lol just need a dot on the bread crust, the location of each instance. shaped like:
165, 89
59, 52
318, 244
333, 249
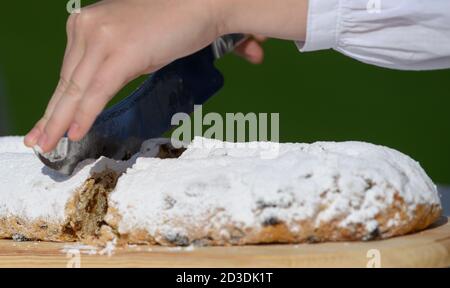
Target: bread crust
306, 231
92, 217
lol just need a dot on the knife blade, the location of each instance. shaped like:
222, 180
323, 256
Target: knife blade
119, 131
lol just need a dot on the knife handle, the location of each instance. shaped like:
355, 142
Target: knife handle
227, 43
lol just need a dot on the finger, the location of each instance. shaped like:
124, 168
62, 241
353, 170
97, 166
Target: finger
72, 58
72, 55
64, 110
109, 79
260, 38
32, 137
251, 50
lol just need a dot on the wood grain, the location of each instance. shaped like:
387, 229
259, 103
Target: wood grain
429, 248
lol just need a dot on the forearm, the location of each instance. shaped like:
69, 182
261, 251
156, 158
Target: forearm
284, 19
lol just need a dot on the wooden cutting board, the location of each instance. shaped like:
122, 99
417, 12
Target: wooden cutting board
429, 248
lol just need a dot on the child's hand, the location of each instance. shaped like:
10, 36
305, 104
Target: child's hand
113, 42
109, 44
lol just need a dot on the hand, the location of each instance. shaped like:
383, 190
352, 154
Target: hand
113, 42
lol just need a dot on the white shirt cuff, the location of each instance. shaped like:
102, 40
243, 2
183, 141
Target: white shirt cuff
322, 23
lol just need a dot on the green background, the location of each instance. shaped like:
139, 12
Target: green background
320, 95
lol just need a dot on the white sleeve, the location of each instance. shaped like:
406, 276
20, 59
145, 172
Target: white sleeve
398, 34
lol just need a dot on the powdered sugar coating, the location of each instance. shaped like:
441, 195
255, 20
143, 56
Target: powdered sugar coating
13, 144
213, 185
31, 191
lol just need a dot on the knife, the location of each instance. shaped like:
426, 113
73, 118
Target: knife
119, 131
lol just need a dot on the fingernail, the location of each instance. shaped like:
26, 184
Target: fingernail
32, 136
42, 141
38, 149
73, 130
